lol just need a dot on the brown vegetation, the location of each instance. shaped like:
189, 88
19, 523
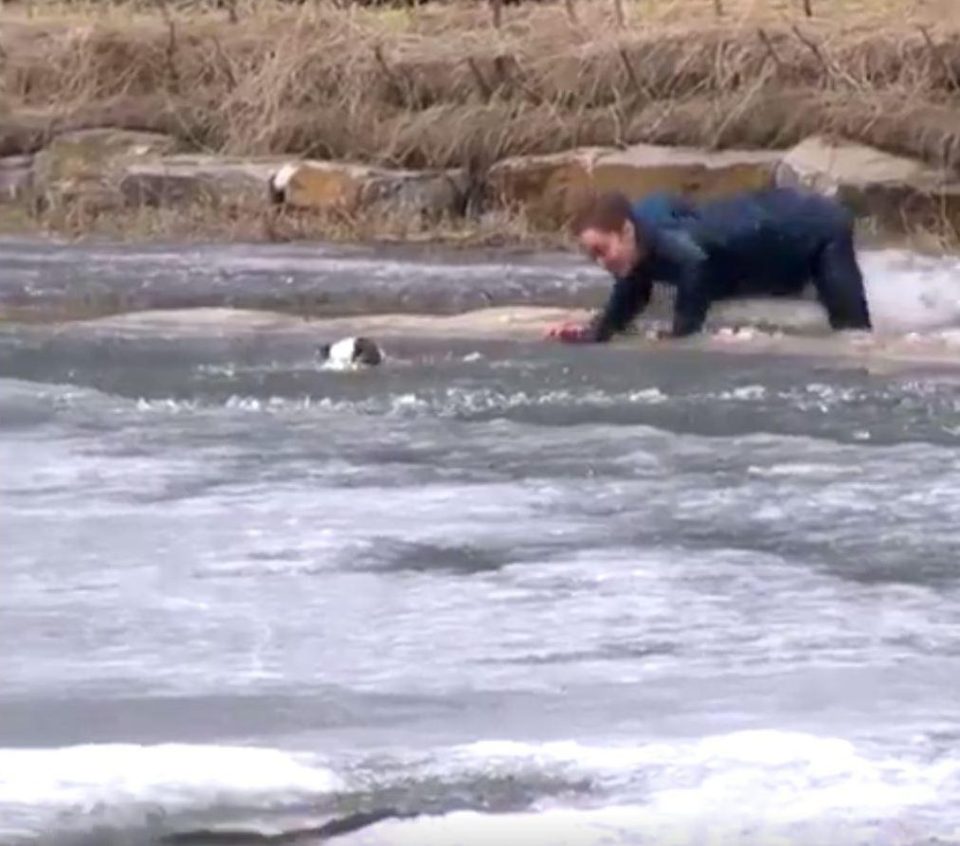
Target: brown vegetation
202, 222
502, 230
440, 85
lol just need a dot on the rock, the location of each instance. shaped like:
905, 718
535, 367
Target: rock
16, 178
217, 181
351, 188
547, 188
697, 174
86, 165
897, 193
23, 132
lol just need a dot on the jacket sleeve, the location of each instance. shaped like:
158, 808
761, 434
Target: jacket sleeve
691, 306
694, 294
630, 295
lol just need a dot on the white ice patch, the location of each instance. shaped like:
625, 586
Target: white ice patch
746, 787
620, 826
48, 786
909, 291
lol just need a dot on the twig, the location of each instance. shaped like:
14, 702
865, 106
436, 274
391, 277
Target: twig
571, 12
501, 73
225, 62
172, 56
485, 89
807, 8
232, 15
395, 81
939, 57
618, 11
770, 49
171, 51
719, 75
503, 64
734, 114
640, 90
813, 48
718, 8
496, 8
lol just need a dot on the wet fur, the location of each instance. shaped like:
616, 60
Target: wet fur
354, 352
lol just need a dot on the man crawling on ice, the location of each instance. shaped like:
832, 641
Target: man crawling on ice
771, 242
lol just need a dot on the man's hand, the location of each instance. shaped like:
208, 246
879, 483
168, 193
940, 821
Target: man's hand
569, 333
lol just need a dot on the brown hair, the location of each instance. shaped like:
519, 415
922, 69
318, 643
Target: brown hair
606, 212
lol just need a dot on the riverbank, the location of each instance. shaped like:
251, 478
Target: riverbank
272, 123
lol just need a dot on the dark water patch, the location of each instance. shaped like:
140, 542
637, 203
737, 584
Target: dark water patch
43, 282
605, 652
54, 721
224, 836
391, 555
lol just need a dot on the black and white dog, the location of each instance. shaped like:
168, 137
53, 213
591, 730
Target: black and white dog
350, 353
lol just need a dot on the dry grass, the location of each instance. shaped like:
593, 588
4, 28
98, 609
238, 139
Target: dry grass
500, 229
438, 85
200, 222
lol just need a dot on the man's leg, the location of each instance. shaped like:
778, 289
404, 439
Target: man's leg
839, 284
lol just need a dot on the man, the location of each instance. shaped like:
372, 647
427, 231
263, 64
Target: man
759, 243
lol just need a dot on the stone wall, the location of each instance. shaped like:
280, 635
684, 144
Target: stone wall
109, 169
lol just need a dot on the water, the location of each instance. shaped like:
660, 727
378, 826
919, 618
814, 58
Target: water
495, 591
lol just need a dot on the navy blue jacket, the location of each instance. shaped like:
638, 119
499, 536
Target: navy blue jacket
760, 243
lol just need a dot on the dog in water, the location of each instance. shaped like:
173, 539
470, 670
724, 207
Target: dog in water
350, 353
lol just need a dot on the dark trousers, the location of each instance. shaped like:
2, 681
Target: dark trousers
839, 284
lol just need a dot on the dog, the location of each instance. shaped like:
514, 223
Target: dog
352, 352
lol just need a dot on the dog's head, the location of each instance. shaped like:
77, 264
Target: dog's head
351, 352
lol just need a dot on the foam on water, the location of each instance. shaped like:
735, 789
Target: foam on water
746, 787
125, 784
741, 787
764, 764
911, 292
629, 826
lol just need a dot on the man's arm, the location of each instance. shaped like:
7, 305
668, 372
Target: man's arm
629, 297
690, 307
693, 285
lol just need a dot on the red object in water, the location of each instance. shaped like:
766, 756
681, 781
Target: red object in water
570, 333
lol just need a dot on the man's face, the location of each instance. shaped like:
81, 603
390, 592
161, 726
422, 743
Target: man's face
616, 252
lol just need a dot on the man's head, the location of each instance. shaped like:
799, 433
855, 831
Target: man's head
606, 232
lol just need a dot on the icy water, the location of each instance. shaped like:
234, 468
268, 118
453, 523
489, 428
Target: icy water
496, 591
